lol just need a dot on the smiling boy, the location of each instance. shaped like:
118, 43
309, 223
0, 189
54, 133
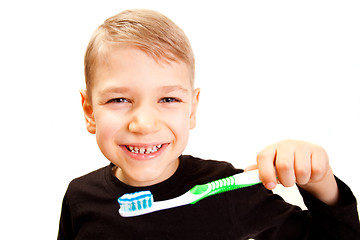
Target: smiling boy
141, 112
141, 103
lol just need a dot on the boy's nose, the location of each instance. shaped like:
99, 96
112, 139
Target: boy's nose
144, 121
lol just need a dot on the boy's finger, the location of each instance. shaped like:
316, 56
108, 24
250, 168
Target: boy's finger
267, 172
284, 164
302, 166
319, 165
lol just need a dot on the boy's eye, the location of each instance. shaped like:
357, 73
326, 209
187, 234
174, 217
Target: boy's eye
169, 100
118, 100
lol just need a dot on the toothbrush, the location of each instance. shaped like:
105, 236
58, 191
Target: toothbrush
139, 203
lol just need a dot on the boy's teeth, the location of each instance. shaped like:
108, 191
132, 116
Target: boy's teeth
147, 150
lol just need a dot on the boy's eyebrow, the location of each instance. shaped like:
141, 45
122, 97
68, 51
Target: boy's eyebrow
173, 88
114, 90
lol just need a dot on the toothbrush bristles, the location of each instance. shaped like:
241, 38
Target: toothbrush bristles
136, 201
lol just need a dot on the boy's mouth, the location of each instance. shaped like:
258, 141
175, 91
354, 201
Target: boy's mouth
144, 150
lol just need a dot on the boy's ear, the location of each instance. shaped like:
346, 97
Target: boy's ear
195, 103
88, 112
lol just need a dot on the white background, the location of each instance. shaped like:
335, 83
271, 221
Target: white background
268, 70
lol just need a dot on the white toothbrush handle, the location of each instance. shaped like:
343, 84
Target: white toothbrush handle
250, 177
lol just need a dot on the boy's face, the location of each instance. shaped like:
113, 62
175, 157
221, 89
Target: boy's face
142, 112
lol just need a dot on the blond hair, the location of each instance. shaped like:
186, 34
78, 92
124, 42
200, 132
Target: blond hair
147, 30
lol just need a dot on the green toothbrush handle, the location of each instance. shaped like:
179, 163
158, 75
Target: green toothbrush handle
236, 181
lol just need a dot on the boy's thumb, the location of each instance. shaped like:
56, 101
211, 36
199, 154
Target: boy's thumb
251, 167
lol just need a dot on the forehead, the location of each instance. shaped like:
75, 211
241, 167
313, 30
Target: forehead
130, 66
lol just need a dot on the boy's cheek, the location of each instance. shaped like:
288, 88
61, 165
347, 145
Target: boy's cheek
180, 121
105, 127
105, 138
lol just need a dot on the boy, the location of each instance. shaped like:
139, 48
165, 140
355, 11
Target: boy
141, 103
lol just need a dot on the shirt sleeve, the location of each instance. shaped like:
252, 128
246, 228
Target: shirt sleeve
65, 225
333, 222
264, 216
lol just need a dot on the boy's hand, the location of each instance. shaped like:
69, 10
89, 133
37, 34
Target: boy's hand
290, 161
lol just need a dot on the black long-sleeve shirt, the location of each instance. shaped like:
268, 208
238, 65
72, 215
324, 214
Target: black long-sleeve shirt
90, 210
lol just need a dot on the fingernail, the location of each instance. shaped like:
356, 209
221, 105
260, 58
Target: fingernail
270, 185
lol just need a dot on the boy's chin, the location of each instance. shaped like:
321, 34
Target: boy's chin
147, 177
144, 180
